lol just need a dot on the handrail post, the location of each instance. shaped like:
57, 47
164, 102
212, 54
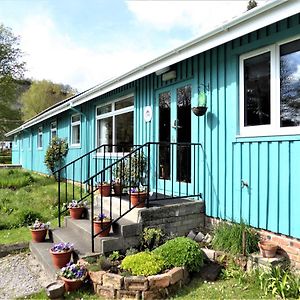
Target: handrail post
58, 182
92, 214
148, 176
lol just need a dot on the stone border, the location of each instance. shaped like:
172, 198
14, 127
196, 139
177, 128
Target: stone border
10, 248
115, 286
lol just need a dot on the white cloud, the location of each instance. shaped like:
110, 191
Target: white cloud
52, 55
197, 16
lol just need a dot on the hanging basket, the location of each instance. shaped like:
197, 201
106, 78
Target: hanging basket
199, 110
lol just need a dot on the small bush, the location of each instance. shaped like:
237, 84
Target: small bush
181, 252
15, 179
229, 238
152, 238
143, 263
27, 217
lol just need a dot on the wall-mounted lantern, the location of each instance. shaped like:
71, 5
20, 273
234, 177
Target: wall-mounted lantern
201, 109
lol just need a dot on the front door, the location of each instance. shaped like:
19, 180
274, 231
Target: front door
174, 135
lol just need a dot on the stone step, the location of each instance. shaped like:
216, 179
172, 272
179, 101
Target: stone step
123, 227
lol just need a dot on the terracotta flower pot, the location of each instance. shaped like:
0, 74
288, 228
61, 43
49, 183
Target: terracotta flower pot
38, 235
118, 188
76, 212
104, 190
98, 228
60, 259
267, 249
72, 284
136, 198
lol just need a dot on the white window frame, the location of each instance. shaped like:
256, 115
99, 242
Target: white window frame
40, 133
75, 124
274, 127
53, 130
112, 114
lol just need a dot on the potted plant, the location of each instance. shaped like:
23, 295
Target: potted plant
104, 188
118, 187
73, 276
76, 209
138, 196
39, 231
267, 249
201, 109
101, 222
61, 254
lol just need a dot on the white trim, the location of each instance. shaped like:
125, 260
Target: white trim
112, 115
76, 123
251, 20
274, 127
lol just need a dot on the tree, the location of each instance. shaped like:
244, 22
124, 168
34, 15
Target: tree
11, 74
251, 4
41, 95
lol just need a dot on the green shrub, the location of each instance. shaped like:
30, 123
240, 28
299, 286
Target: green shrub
181, 252
55, 154
15, 179
143, 263
280, 282
229, 238
152, 238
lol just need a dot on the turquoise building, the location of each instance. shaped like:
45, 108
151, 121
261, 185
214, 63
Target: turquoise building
242, 157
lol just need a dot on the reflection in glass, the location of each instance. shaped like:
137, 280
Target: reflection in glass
124, 103
290, 84
104, 132
184, 133
257, 90
164, 134
124, 132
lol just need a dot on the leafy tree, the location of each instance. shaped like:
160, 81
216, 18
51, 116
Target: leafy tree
11, 73
41, 95
251, 4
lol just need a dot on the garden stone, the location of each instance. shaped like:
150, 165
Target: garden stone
192, 234
210, 272
208, 238
199, 237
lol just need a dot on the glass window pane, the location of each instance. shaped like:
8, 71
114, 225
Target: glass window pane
103, 109
257, 90
124, 103
164, 134
76, 134
53, 125
75, 118
104, 132
289, 84
124, 132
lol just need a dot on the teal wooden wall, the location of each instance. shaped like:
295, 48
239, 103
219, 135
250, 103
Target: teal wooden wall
271, 165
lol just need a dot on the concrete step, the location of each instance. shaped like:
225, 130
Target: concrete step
117, 207
123, 227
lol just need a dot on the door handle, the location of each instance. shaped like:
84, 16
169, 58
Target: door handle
176, 126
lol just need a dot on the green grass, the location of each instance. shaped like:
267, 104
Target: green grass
221, 289
20, 207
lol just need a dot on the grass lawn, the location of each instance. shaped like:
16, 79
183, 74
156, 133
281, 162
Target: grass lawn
24, 197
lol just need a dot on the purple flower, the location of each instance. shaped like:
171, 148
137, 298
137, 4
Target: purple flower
62, 247
73, 271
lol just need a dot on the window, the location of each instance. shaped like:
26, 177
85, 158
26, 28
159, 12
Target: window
270, 90
40, 138
115, 125
75, 130
53, 130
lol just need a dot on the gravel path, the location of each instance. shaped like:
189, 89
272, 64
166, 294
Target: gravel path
20, 275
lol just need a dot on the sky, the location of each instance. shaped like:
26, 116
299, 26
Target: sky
85, 42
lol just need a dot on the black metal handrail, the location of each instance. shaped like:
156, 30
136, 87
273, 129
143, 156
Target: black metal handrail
78, 170
165, 163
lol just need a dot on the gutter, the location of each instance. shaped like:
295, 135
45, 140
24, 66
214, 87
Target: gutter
169, 58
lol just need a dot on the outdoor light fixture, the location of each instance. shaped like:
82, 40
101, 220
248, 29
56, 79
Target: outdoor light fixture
168, 76
162, 71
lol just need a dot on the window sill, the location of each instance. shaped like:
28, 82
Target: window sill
40, 148
109, 155
75, 146
261, 136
